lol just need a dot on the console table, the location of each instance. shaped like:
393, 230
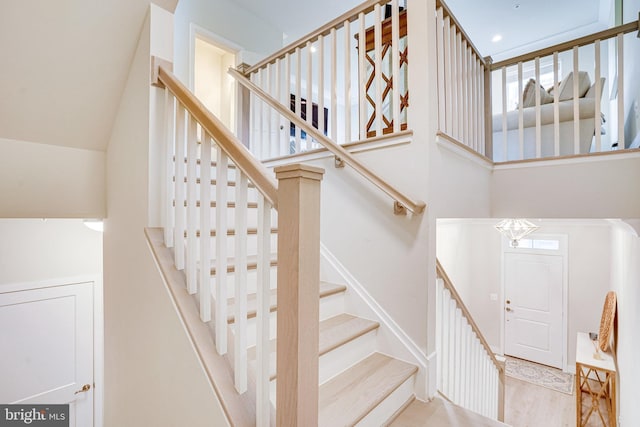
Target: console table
595, 382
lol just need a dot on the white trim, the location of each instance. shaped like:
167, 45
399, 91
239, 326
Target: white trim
196, 31
587, 158
354, 285
432, 375
461, 152
562, 252
98, 329
47, 283
373, 144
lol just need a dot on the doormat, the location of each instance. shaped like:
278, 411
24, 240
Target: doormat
541, 375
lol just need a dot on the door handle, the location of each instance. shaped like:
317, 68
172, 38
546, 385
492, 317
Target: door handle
85, 388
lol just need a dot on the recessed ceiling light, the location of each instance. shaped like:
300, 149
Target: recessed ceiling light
496, 38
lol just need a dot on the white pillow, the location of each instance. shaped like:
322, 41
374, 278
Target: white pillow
529, 94
566, 86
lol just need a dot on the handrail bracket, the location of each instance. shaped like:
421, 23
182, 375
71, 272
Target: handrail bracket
338, 162
399, 208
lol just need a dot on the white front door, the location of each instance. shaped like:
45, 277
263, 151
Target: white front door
534, 307
46, 348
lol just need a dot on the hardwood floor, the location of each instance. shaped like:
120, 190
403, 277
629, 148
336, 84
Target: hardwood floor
529, 405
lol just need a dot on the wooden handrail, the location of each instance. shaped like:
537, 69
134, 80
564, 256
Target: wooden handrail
337, 23
465, 311
560, 47
447, 12
238, 153
402, 201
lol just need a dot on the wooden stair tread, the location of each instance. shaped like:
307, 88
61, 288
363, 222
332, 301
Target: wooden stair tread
326, 289
232, 232
252, 263
334, 332
214, 182
250, 205
439, 412
350, 396
213, 163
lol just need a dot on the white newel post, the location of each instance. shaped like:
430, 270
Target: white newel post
298, 294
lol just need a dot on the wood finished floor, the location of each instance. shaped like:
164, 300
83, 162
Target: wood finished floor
529, 405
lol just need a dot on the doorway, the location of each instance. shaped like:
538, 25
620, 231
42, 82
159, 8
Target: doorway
209, 80
535, 300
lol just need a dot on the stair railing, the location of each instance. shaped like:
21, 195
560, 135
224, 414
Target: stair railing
463, 91
402, 202
201, 157
346, 92
469, 374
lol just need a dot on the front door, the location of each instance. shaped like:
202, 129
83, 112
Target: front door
46, 348
534, 307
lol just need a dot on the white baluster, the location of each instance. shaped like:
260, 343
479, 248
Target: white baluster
298, 104
169, 193
377, 60
538, 115
576, 105
446, 334
520, 114
505, 151
179, 249
221, 251
598, 86
448, 79
556, 106
620, 89
320, 124
255, 116
192, 209
286, 100
263, 405
309, 96
333, 59
205, 228
362, 73
452, 347
442, 101
240, 282
347, 88
395, 64
464, 93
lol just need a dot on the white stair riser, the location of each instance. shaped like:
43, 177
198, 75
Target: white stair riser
347, 355
251, 281
388, 407
329, 306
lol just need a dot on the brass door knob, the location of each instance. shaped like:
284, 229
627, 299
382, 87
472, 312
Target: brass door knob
85, 388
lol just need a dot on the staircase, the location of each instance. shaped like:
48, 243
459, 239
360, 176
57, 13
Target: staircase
359, 385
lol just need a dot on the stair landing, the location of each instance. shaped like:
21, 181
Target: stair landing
439, 412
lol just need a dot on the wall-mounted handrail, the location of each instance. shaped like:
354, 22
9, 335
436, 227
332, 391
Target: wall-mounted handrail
241, 157
466, 313
561, 47
416, 207
350, 16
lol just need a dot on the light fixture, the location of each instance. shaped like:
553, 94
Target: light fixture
94, 224
313, 49
496, 38
515, 229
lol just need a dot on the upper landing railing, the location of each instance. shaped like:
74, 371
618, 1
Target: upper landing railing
531, 106
346, 92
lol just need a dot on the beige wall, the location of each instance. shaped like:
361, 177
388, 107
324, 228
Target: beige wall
47, 181
601, 187
152, 375
625, 280
33, 250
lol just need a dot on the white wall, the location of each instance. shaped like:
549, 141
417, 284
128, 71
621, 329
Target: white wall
228, 20
625, 280
152, 375
47, 181
602, 187
470, 251
33, 250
